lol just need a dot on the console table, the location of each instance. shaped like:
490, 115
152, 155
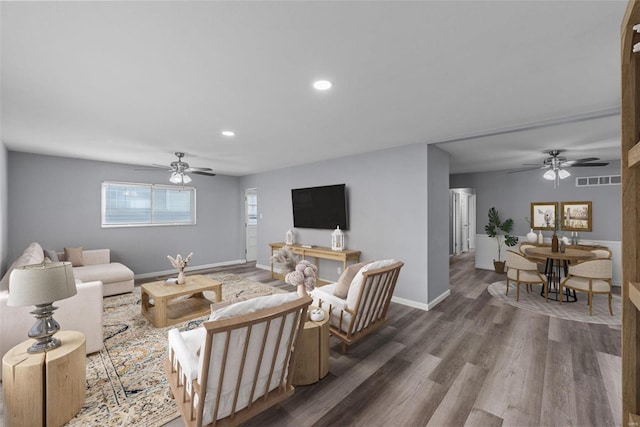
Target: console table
317, 252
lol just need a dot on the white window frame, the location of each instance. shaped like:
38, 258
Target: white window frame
151, 187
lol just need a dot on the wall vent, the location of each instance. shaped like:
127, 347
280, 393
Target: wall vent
590, 181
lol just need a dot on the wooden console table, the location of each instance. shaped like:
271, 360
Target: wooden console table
317, 252
44, 389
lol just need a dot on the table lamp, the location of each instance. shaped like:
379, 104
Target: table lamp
41, 285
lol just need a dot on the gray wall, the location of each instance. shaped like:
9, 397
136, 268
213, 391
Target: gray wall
56, 202
512, 195
438, 222
387, 193
4, 234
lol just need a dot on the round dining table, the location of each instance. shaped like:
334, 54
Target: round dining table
563, 259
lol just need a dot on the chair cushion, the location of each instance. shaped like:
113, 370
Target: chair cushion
526, 276
74, 256
582, 284
354, 288
344, 282
253, 305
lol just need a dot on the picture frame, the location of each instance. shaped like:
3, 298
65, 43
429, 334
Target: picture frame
576, 216
543, 215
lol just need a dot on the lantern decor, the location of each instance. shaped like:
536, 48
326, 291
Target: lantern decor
289, 238
337, 239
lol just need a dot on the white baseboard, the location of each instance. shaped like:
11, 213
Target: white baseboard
420, 305
264, 267
190, 268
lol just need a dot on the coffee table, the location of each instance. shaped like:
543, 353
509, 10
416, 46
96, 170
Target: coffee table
167, 309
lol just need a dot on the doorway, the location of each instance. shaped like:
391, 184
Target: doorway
251, 224
462, 220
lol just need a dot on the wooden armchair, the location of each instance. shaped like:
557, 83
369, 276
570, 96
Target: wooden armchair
238, 364
365, 309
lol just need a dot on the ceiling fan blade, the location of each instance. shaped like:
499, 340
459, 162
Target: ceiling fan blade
194, 169
588, 164
528, 169
203, 173
152, 168
155, 165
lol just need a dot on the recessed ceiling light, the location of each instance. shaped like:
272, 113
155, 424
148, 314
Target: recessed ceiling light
228, 133
322, 84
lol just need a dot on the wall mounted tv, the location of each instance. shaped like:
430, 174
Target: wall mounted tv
320, 207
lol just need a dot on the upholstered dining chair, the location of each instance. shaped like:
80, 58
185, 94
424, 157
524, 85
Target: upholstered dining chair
592, 277
541, 262
521, 270
601, 253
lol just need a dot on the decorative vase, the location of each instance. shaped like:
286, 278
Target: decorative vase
554, 243
540, 237
181, 278
302, 291
531, 237
562, 246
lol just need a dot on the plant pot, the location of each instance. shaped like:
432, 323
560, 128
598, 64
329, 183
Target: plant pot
498, 266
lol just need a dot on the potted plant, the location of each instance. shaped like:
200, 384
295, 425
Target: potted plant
500, 231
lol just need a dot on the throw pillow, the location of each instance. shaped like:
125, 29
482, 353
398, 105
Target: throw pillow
342, 288
74, 256
52, 255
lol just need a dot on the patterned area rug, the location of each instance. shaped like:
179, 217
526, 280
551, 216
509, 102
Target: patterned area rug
126, 385
578, 311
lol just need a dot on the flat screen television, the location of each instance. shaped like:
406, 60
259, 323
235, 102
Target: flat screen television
320, 207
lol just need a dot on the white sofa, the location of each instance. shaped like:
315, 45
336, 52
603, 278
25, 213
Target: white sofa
82, 312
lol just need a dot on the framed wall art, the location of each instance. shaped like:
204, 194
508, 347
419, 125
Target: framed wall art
543, 215
576, 216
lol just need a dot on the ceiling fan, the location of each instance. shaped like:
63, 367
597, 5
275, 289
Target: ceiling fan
179, 170
557, 164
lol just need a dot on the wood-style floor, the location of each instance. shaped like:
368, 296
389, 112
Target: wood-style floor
471, 361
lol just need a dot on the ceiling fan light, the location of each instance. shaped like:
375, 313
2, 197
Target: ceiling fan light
562, 173
186, 179
176, 178
550, 175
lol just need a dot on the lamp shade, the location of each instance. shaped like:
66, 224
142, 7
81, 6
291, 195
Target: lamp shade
550, 175
41, 284
562, 173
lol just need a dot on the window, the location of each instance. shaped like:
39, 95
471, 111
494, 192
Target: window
138, 205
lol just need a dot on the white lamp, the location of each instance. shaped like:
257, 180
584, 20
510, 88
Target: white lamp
563, 173
41, 285
550, 175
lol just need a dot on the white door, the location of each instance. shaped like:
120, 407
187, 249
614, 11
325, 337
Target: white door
251, 224
472, 222
464, 223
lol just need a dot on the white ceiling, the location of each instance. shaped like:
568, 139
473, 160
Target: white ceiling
132, 82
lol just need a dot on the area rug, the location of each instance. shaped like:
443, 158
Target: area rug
578, 311
126, 385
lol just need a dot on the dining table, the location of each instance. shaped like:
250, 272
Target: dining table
558, 260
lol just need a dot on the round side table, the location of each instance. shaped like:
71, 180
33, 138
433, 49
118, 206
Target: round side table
44, 388
312, 354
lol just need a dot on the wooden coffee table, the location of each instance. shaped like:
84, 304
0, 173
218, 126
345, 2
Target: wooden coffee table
165, 310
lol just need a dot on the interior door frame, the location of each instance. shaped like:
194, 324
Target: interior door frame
247, 192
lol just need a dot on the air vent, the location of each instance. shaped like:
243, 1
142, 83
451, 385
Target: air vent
590, 181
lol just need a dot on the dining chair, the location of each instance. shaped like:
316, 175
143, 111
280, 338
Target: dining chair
592, 277
521, 270
542, 266
601, 253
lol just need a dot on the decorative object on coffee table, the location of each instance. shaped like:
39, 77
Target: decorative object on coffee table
180, 263
41, 285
